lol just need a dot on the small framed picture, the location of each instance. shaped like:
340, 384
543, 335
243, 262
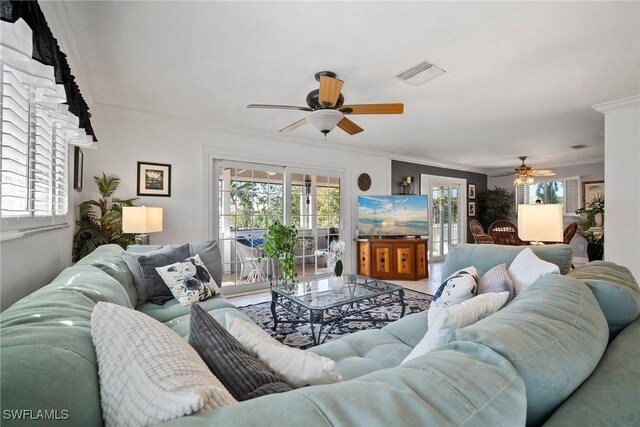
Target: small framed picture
78, 167
472, 208
472, 191
591, 190
154, 179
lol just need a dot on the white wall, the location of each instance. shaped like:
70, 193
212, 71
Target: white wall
126, 138
590, 172
30, 262
622, 182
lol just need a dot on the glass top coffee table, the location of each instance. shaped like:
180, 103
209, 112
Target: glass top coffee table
314, 302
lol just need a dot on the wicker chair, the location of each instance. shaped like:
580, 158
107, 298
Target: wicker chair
505, 232
569, 232
479, 236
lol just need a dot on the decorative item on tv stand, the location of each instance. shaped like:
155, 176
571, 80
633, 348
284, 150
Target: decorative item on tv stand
336, 251
279, 244
142, 221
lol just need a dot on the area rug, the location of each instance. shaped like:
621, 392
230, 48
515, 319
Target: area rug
299, 335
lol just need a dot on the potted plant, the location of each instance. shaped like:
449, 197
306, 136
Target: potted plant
96, 230
336, 251
279, 244
494, 204
589, 229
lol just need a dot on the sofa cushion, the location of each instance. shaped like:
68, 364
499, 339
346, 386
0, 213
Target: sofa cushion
554, 334
432, 390
526, 268
609, 397
237, 368
147, 373
157, 291
615, 289
189, 281
485, 257
364, 352
442, 321
497, 279
410, 329
172, 309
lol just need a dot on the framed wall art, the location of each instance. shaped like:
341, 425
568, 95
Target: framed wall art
472, 208
154, 179
591, 190
78, 168
472, 191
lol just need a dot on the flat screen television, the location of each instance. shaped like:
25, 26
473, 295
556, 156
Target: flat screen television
403, 215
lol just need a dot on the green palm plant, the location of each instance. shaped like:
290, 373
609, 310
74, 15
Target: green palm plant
102, 227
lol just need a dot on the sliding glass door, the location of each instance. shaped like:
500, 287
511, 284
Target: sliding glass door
253, 196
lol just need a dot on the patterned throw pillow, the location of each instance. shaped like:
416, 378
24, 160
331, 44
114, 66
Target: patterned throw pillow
236, 367
458, 287
526, 268
497, 280
189, 281
148, 374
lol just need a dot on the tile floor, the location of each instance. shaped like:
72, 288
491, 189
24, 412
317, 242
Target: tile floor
429, 286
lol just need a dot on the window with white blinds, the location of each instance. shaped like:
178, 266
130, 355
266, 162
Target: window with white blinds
565, 191
34, 157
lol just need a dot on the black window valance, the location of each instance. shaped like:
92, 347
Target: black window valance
47, 51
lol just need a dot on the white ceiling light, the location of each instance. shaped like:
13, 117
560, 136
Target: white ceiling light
325, 120
421, 73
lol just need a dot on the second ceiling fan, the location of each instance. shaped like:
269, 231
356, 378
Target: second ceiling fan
327, 108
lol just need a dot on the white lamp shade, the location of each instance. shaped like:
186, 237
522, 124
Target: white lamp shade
541, 223
325, 120
141, 219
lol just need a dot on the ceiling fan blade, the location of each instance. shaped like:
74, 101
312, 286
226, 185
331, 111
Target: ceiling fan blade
329, 91
294, 126
502, 174
279, 107
396, 108
543, 172
349, 127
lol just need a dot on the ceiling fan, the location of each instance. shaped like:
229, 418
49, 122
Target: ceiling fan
327, 108
525, 174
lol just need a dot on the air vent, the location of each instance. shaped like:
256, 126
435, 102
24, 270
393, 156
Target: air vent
421, 73
579, 146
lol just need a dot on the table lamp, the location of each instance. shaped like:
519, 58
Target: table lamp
142, 221
540, 223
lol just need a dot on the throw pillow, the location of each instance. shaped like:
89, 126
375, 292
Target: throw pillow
298, 368
236, 367
148, 374
209, 252
157, 291
526, 268
131, 258
497, 280
189, 281
458, 287
442, 321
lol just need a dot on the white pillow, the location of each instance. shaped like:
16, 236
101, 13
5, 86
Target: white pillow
189, 281
526, 268
148, 373
458, 287
297, 367
442, 321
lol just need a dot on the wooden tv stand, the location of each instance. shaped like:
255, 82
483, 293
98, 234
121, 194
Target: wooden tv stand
393, 259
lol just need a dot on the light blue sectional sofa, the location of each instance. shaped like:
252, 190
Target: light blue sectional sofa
550, 356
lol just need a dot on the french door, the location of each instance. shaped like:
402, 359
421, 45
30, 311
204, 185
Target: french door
446, 213
250, 197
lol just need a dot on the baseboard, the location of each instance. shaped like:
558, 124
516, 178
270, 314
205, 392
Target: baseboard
580, 260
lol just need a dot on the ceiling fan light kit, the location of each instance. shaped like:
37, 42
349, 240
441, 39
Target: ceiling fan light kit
524, 174
327, 109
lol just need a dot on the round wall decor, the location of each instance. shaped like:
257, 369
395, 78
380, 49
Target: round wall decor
364, 182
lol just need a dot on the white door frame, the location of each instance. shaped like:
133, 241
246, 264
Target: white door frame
426, 182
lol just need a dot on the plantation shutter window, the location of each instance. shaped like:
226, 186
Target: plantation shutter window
571, 195
36, 130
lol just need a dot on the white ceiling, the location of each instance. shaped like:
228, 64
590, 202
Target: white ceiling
522, 75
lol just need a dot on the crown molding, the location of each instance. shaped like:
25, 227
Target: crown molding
277, 136
617, 104
56, 14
